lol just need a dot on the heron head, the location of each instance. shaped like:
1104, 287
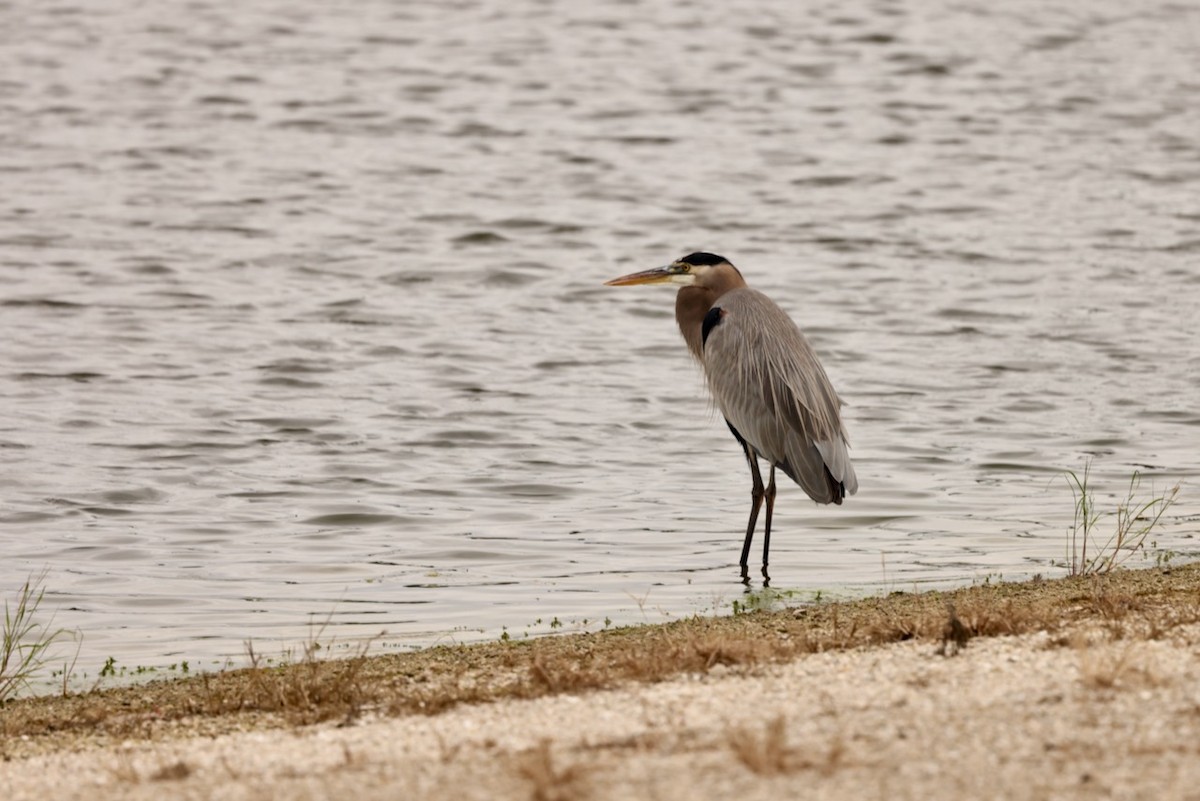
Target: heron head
695, 268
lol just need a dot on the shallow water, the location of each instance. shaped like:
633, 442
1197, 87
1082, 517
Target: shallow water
303, 319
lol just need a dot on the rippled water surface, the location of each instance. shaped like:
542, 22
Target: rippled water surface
302, 314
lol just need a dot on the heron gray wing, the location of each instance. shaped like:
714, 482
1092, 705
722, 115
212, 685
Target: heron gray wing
769, 384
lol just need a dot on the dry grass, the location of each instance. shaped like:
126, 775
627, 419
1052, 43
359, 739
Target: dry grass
548, 781
1122, 606
172, 772
1109, 670
768, 755
311, 691
771, 755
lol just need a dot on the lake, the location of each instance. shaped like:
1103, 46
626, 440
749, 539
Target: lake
305, 334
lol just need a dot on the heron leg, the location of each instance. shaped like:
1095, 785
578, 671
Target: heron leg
769, 494
756, 497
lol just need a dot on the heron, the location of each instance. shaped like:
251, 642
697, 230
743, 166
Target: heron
767, 381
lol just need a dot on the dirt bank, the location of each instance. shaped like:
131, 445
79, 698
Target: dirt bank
1055, 689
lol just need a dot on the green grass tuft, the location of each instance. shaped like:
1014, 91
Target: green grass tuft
25, 650
1135, 518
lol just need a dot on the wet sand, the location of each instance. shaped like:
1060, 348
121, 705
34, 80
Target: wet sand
1096, 693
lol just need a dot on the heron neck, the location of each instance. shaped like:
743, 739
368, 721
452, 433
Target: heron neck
691, 304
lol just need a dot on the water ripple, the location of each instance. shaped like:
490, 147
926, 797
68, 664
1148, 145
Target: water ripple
303, 312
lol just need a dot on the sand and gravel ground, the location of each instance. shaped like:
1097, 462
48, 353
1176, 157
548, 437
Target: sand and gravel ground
1095, 695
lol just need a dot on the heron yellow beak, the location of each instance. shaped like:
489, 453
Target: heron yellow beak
659, 275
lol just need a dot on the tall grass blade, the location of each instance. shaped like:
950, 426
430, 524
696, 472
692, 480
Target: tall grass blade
26, 645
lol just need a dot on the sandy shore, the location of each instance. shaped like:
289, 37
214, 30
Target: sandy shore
1103, 703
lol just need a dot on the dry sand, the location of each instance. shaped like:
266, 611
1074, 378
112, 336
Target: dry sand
1101, 706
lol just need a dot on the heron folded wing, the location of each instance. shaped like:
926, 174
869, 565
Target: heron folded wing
769, 384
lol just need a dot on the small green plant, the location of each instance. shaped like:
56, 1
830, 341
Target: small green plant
110, 667
768, 599
1135, 519
25, 650
1162, 557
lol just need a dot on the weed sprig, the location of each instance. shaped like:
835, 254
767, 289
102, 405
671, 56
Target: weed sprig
1135, 518
25, 650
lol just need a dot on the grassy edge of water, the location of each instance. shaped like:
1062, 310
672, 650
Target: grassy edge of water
26, 641
1125, 604
1135, 519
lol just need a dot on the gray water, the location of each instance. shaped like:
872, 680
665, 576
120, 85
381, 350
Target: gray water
303, 323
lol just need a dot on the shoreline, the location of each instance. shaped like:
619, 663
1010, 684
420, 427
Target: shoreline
782, 700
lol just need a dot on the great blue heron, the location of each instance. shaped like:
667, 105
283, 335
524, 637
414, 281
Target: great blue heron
765, 378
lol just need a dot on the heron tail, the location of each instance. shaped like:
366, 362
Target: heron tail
823, 470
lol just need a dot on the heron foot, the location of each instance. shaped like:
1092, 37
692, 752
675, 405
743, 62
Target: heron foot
766, 576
